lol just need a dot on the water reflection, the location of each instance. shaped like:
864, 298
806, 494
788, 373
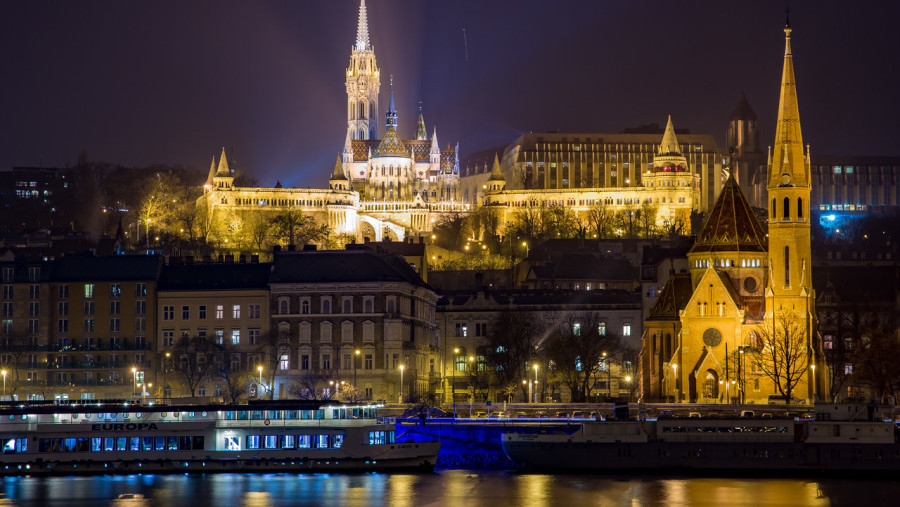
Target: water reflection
451, 487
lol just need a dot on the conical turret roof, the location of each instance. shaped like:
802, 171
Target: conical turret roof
362, 28
731, 225
223, 169
421, 133
496, 175
743, 111
212, 171
787, 157
338, 173
669, 144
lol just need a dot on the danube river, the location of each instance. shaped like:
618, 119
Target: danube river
442, 488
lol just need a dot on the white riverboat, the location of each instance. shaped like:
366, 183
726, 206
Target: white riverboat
840, 439
124, 438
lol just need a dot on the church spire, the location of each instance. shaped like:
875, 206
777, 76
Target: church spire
788, 163
421, 133
362, 28
391, 115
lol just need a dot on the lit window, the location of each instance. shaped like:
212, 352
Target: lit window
626, 329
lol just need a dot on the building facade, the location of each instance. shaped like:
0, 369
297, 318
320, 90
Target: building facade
380, 188
741, 325
352, 320
619, 172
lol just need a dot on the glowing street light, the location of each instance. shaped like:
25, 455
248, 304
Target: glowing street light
259, 368
401, 383
134, 380
675, 381
525, 244
4, 383
354, 368
812, 367
535, 366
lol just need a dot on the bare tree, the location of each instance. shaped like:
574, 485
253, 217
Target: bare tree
875, 359
273, 347
293, 228
259, 228
194, 358
785, 354
232, 372
576, 349
511, 349
451, 231
600, 219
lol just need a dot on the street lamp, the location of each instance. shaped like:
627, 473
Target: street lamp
525, 244
524, 382
4, 383
355, 385
628, 381
608, 380
812, 367
742, 385
165, 371
675, 381
401, 383
134, 381
471, 383
535, 366
259, 368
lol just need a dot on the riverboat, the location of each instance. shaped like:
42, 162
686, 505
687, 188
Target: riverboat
838, 439
281, 436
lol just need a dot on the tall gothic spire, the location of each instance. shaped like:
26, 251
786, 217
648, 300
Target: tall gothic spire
391, 115
421, 133
362, 28
788, 162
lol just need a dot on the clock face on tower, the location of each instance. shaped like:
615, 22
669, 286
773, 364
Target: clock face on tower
785, 180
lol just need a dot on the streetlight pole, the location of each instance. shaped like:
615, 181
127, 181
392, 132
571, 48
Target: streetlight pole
401, 383
608, 387
165, 371
742, 386
525, 244
675, 381
259, 368
355, 385
471, 384
4, 383
134, 382
535, 366
812, 367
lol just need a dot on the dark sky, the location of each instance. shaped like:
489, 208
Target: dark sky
140, 82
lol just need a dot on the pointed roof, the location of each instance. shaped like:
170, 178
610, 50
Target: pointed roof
390, 145
787, 158
669, 144
672, 298
212, 171
421, 133
223, 170
731, 225
338, 173
391, 114
743, 111
496, 175
362, 28
434, 142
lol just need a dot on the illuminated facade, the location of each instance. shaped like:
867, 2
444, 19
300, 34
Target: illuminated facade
581, 174
705, 337
379, 189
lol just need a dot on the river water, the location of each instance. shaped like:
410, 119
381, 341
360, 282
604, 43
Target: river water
442, 488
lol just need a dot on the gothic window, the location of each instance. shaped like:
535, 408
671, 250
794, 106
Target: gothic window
710, 385
361, 110
773, 208
371, 109
361, 134
787, 265
787, 208
800, 207
283, 306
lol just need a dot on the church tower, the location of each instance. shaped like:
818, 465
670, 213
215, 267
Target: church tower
790, 293
363, 83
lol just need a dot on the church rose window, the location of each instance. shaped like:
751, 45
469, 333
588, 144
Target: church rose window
712, 337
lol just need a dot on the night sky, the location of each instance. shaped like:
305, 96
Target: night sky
142, 82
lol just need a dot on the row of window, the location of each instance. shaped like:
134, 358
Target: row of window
253, 312
111, 444
34, 274
233, 443
234, 336
284, 305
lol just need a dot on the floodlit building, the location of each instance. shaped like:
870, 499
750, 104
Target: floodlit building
748, 295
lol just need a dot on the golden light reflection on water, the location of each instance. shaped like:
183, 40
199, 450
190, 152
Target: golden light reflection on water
256, 499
